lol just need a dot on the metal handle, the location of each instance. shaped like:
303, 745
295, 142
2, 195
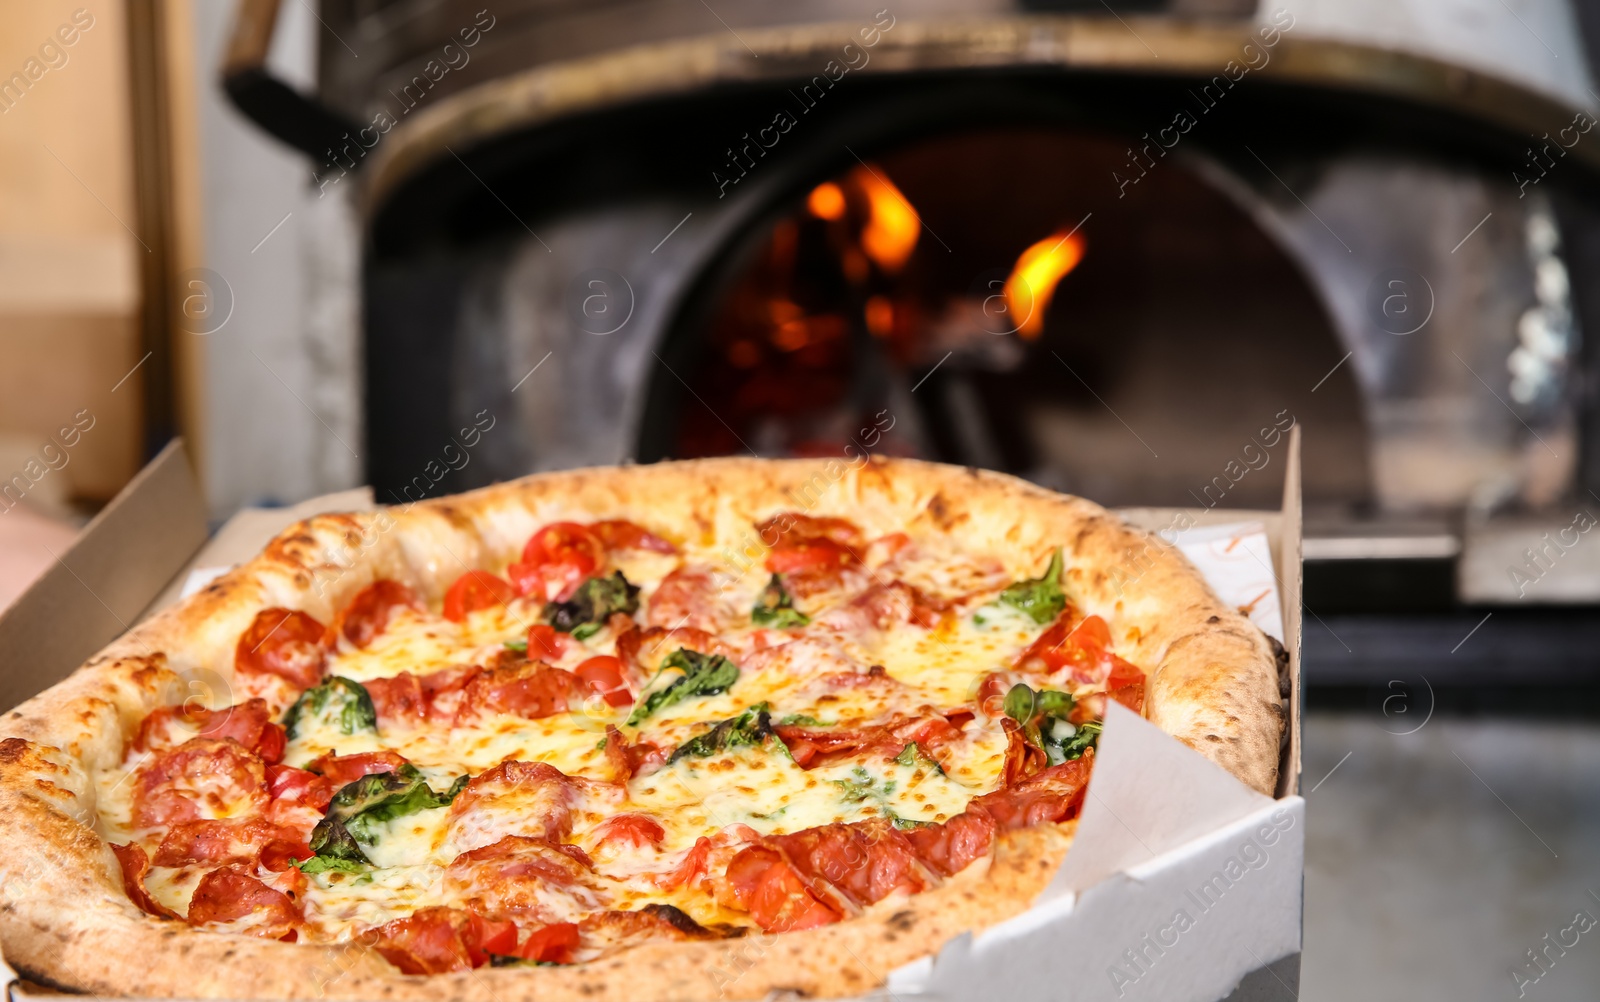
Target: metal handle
298, 120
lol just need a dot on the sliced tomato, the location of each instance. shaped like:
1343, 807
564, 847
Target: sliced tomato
369, 613
230, 894
475, 591
604, 675
620, 534
764, 884
635, 829
338, 771
498, 936
135, 865
553, 944
557, 559
546, 644
285, 643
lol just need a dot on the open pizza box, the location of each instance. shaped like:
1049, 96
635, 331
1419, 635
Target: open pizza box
1182, 885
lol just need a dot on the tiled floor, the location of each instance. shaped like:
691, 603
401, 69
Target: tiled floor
1435, 861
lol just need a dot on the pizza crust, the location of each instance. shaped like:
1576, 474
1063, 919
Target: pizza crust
65, 919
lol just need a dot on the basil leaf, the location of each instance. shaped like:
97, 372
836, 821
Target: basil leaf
1019, 704
585, 631
335, 700
360, 807
1038, 713
703, 675
1041, 599
517, 645
801, 720
775, 608
594, 600
322, 864
1087, 736
750, 728
913, 756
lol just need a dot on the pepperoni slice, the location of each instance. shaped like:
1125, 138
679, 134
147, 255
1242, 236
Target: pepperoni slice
557, 559
553, 944
398, 699
301, 786
646, 649
690, 870
1023, 757
475, 591
210, 841
525, 878
865, 861
514, 798
688, 597
231, 895
792, 525
249, 723
369, 613
814, 746
285, 643
135, 864
604, 675
438, 940
201, 778
949, 848
629, 760
764, 884
894, 603
527, 689
1054, 794
339, 771
637, 830
620, 534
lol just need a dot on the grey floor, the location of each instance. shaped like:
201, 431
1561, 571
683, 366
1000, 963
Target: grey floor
1435, 861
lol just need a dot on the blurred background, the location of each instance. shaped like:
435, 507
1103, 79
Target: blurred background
1114, 247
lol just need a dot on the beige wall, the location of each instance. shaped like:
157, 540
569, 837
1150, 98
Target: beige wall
69, 259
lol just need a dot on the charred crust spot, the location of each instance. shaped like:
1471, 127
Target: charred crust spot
1214, 619
902, 921
13, 750
942, 512
588, 988
678, 919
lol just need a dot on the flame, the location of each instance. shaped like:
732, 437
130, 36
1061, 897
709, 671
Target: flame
826, 201
1032, 282
892, 228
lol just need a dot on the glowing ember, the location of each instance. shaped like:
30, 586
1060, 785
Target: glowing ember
1032, 283
826, 201
892, 228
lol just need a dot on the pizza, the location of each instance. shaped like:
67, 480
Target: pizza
712, 728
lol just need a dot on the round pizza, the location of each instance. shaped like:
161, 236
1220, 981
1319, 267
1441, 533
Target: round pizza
713, 728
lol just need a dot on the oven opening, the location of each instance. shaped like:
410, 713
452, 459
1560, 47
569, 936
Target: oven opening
944, 300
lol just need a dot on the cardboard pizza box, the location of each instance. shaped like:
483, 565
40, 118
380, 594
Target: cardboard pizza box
1182, 884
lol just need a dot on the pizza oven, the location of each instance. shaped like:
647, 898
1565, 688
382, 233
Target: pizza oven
1115, 251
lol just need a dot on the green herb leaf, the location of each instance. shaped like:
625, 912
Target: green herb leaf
504, 960
1043, 716
1041, 599
775, 608
594, 600
1087, 736
585, 631
913, 756
800, 720
517, 645
359, 808
750, 728
323, 864
334, 700
703, 675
